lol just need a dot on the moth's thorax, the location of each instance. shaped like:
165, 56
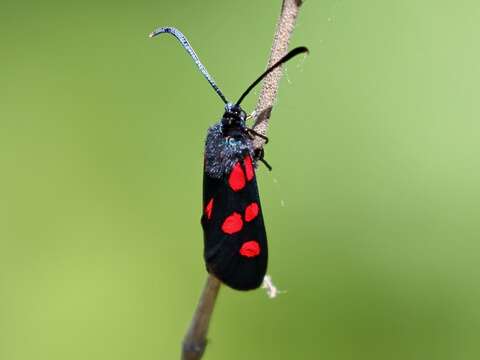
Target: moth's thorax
227, 142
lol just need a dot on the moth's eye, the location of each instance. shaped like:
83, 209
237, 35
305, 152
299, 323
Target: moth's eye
231, 141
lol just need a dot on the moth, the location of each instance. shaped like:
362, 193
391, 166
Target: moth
235, 240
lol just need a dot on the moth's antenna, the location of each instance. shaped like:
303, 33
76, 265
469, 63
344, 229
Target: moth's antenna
291, 54
183, 40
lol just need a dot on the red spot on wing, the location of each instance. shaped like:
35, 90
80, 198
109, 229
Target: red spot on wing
232, 224
249, 167
251, 211
250, 249
236, 180
209, 208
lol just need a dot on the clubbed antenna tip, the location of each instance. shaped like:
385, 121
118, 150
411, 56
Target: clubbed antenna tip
186, 45
291, 54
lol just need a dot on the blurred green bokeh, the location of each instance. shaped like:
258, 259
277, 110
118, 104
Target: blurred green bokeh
372, 208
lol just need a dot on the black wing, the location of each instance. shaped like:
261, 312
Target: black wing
234, 232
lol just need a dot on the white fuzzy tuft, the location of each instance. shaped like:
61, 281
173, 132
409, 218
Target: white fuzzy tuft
271, 289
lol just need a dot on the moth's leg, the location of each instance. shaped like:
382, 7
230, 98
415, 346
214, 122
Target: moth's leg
253, 115
259, 156
253, 132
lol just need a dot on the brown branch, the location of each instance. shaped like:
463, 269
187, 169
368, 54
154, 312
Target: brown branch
195, 340
285, 26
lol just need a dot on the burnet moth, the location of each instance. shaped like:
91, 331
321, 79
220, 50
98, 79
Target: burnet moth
235, 241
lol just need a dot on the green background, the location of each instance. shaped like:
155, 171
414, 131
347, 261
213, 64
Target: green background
372, 208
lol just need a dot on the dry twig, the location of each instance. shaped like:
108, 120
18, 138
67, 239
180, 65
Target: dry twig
195, 340
285, 26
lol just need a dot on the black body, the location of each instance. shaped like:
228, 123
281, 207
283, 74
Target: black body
230, 140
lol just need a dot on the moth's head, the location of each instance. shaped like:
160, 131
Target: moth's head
233, 114
233, 117
233, 121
